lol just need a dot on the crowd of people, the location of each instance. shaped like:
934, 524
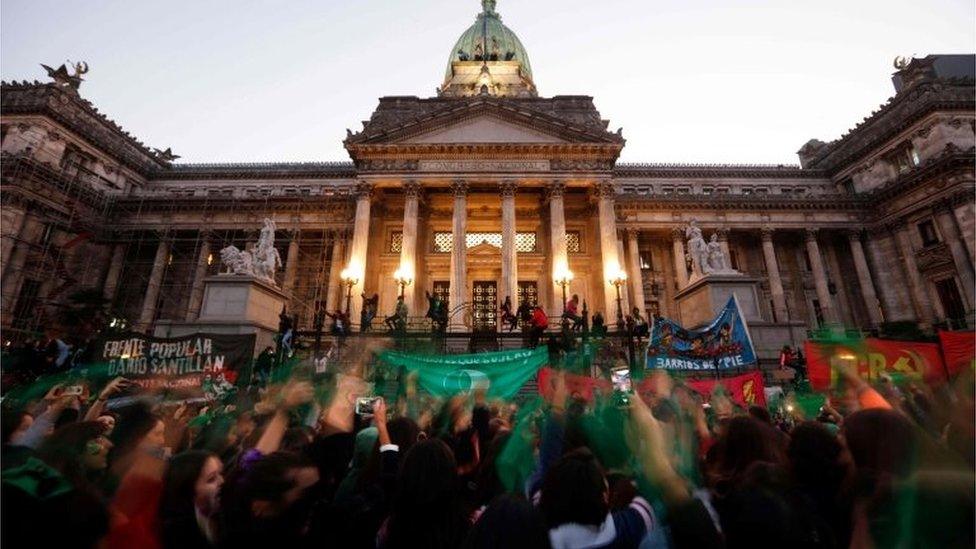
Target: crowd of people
297, 463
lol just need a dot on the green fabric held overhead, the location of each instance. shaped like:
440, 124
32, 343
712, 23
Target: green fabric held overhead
501, 373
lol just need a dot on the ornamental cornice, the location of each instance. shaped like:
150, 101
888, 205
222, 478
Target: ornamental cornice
898, 114
81, 117
401, 125
730, 202
257, 170
367, 154
724, 171
951, 159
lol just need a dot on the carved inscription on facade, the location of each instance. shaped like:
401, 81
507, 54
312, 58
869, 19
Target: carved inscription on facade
483, 166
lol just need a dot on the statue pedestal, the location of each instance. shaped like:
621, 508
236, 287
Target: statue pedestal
702, 299
234, 304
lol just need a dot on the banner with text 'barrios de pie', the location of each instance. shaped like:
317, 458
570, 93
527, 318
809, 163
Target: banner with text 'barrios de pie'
722, 345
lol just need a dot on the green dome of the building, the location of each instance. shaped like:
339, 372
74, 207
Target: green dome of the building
489, 40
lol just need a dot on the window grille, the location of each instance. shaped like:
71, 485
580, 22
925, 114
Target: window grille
444, 242
574, 242
396, 241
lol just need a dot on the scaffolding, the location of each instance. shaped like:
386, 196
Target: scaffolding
82, 224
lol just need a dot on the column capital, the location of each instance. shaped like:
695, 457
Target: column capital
555, 189
412, 189
605, 189
723, 234
854, 235
677, 234
364, 190
633, 232
810, 234
459, 188
508, 187
766, 233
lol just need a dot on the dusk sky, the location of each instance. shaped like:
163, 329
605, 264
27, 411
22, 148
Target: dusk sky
688, 80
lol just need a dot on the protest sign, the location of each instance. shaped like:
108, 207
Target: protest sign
500, 373
189, 366
959, 350
723, 344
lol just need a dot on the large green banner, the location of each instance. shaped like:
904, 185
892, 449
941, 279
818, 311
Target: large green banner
501, 373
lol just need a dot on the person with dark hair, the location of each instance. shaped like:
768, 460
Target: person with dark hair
190, 500
270, 503
427, 508
509, 522
574, 502
57, 485
540, 323
744, 441
821, 471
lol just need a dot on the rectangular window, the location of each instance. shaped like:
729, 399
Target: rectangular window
525, 242
721, 190
396, 242
951, 301
926, 230
574, 242
708, 190
760, 190
746, 190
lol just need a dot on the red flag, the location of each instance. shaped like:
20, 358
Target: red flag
872, 357
578, 386
959, 350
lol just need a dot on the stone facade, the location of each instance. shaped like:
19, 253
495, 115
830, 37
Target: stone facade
479, 196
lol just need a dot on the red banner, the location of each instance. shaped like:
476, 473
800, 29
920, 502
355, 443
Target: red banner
959, 350
872, 357
745, 390
578, 386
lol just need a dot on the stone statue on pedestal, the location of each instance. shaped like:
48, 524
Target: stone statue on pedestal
262, 263
706, 258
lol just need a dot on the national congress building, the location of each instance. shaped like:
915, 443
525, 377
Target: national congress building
490, 189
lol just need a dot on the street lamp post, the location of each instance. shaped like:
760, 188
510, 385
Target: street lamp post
563, 277
351, 280
403, 278
618, 279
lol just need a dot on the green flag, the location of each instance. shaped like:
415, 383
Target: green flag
501, 373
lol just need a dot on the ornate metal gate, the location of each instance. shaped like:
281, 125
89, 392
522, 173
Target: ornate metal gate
484, 305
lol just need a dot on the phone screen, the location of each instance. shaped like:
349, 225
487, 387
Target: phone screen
621, 380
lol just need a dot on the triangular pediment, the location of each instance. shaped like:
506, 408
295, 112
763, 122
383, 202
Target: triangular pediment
483, 248
483, 129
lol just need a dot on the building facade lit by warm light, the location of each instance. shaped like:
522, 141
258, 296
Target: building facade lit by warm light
490, 189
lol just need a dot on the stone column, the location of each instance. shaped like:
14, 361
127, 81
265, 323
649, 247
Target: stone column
608, 245
957, 247
334, 295
11, 235
509, 255
152, 289
408, 249
459, 253
357, 251
115, 265
13, 271
636, 279
678, 254
772, 272
820, 277
557, 243
920, 299
870, 297
200, 273
624, 288
291, 265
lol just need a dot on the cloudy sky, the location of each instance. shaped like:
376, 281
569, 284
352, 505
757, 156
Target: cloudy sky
688, 80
